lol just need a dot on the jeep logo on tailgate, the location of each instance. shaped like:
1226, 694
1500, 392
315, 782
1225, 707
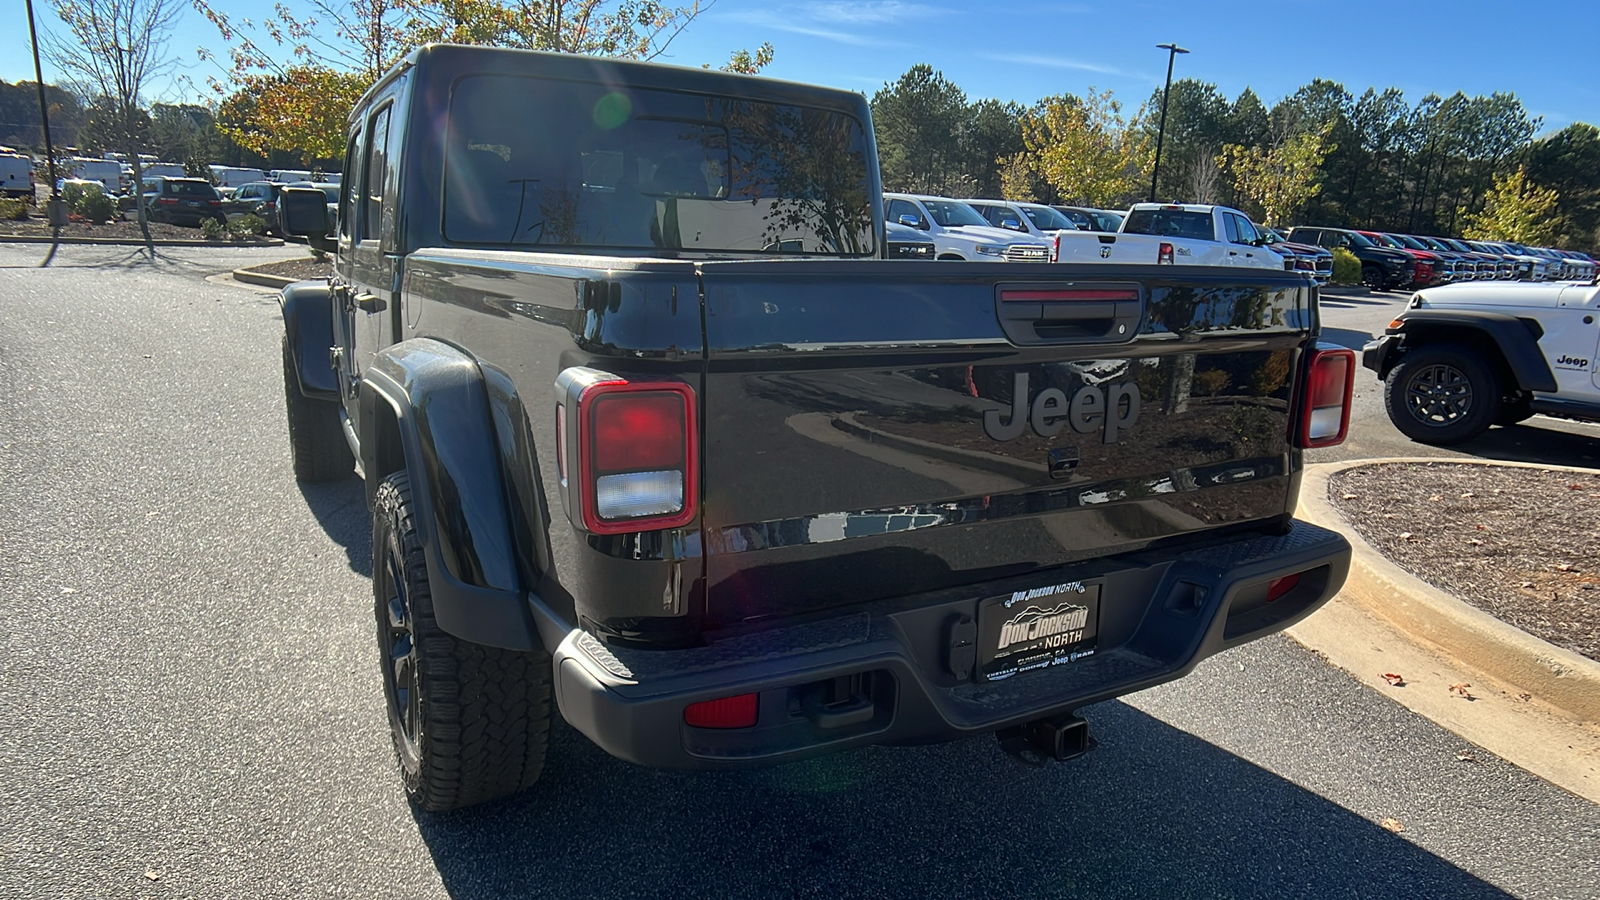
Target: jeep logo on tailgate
1114, 409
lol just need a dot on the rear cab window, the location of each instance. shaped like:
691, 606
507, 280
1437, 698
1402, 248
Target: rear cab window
1178, 223
638, 169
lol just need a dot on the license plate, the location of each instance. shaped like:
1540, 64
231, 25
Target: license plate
1035, 629
193, 202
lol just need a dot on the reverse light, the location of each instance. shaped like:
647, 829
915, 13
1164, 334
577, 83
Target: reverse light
627, 456
724, 712
1324, 407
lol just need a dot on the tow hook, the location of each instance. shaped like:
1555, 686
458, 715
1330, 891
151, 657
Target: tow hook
1036, 743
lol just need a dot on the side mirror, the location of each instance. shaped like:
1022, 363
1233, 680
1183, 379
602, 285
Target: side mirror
913, 222
1011, 225
305, 215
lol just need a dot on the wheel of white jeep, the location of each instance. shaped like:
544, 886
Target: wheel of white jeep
1442, 394
316, 436
469, 722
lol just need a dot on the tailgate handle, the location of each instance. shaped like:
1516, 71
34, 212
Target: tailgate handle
1071, 314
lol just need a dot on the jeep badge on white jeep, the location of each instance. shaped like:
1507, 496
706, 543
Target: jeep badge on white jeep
1463, 357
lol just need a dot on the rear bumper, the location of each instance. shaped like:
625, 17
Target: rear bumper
882, 675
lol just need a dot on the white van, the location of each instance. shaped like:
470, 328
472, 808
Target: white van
16, 175
106, 171
233, 176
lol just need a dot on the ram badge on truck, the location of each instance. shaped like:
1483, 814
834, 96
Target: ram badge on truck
654, 436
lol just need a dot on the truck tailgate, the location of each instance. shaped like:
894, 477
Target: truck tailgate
878, 429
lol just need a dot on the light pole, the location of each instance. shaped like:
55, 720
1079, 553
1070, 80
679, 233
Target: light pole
53, 209
1161, 130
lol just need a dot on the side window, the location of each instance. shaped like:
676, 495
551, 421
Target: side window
1230, 229
373, 176
349, 187
1247, 231
898, 208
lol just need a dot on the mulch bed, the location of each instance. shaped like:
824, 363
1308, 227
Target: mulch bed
1520, 544
306, 268
121, 230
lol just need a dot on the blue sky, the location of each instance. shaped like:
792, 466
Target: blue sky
1025, 49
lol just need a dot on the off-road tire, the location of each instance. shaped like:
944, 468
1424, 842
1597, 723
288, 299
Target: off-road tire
1442, 394
470, 723
316, 436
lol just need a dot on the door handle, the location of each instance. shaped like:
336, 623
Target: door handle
370, 303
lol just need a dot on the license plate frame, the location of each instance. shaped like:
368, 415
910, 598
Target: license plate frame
1035, 629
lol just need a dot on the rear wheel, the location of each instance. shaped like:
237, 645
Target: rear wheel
470, 723
1442, 394
316, 436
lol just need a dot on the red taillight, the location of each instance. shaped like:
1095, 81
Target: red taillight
1324, 412
1164, 254
1281, 586
726, 712
1423, 271
637, 456
166, 201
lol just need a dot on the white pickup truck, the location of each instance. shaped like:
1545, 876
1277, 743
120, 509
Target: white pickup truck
1182, 234
959, 232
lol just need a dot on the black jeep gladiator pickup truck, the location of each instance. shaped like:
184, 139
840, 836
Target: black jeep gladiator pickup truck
653, 435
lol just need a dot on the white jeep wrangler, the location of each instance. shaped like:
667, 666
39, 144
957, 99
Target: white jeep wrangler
1463, 357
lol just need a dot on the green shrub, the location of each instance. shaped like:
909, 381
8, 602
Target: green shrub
13, 209
1346, 268
212, 230
249, 224
98, 207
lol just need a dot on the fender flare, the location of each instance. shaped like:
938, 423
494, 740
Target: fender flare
308, 325
1516, 338
429, 398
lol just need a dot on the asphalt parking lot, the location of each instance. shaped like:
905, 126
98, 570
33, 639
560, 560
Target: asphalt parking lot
190, 702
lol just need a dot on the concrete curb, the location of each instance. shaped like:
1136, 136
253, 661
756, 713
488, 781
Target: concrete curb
272, 281
119, 242
1560, 678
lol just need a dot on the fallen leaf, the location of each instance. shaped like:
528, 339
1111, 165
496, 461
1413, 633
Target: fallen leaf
1435, 498
1392, 824
1527, 584
1394, 679
1565, 567
1460, 690
1576, 487
1405, 535
1464, 756
1466, 495
152, 874
1524, 696
1483, 528
1475, 542
1351, 496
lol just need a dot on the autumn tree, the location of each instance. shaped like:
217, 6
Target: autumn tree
303, 110
112, 49
1274, 181
1514, 210
1086, 150
335, 50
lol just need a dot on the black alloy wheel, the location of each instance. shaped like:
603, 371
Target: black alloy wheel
1442, 394
470, 723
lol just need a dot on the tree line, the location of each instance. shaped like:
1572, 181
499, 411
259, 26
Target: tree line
1323, 155
173, 132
